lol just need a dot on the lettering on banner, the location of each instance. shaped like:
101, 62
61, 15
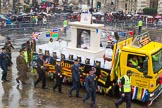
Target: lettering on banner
140, 81
67, 65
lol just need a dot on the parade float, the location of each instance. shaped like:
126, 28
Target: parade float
110, 64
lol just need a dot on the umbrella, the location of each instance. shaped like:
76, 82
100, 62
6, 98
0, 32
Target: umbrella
136, 15
3, 17
128, 15
149, 16
158, 17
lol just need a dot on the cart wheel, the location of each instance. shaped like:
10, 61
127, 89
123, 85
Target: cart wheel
149, 103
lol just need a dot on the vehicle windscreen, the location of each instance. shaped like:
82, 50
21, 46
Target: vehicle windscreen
157, 61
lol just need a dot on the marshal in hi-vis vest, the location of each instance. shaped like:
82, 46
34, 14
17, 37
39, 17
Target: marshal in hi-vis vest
127, 84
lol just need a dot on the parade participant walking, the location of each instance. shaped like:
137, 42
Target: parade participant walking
3, 64
58, 76
21, 67
125, 89
90, 86
75, 78
65, 24
9, 46
140, 24
41, 72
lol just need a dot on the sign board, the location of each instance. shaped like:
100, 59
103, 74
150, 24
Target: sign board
141, 40
86, 18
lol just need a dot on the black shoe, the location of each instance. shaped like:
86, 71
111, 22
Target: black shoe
70, 95
78, 96
83, 100
17, 81
61, 92
44, 88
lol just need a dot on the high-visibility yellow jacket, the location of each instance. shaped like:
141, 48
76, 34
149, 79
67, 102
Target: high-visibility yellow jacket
26, 56
140, 23
127, 84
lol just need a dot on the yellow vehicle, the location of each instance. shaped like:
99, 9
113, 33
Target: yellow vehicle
146, 78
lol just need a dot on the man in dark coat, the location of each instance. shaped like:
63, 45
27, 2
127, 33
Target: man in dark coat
41, 72
75, 78
3, 64
58, 76
21, 67
9, 46
90, 86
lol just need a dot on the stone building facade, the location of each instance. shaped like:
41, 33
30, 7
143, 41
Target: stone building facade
127, 6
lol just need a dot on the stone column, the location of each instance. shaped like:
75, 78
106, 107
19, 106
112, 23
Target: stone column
160, 7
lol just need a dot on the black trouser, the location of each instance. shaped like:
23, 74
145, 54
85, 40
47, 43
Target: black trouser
42, 76
58, 83
4, 73
126, 98
139, 29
